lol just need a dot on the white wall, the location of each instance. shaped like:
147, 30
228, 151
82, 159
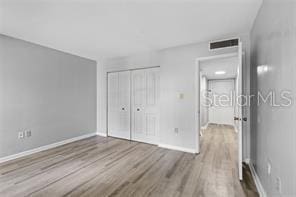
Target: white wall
177, 75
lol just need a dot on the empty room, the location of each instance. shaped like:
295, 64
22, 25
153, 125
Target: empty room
187, 98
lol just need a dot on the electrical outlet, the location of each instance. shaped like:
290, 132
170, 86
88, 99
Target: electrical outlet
176, 130
20, 135
28, 133
278, 185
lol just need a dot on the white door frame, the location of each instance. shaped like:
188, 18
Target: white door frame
197, 92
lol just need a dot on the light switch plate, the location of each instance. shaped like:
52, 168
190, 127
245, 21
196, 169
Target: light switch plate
20, 135
268, 166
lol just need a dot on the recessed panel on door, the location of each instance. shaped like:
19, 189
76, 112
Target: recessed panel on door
124, 103
151, 120
138, 102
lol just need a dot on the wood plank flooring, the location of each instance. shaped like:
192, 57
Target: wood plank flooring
100, 166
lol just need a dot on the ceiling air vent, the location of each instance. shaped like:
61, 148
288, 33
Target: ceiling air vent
223, 44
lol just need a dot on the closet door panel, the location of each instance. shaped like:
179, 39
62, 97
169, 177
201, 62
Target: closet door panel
113, 115
138, 100
152, 107
124, 104
145, 96
119, 104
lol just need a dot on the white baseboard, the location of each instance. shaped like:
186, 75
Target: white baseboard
102, 134
205, 126
46, 147
178, 148
257, 181
247, 161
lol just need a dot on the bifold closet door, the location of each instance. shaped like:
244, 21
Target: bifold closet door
119, 104
145, 109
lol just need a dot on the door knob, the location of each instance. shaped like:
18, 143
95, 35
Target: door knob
122, 108
236, 118
138, 109
245, 119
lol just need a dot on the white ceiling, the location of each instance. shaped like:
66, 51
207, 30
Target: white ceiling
229, 65
100, 29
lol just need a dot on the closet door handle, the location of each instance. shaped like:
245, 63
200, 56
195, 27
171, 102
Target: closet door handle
138, 109
122, 109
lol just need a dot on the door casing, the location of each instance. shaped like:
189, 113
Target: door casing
197, 101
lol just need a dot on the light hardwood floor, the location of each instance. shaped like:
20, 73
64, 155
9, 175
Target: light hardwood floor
100, 166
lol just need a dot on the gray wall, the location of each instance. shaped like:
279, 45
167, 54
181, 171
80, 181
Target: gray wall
49, 92
273, 133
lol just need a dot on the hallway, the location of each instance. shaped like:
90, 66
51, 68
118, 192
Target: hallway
219, 161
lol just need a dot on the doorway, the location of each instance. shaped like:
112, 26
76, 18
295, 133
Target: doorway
223, 112
211, 87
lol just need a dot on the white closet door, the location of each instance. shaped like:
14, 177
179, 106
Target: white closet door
145, 109
113, 116
119, 104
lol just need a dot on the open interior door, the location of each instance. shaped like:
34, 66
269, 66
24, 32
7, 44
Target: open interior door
238, 110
